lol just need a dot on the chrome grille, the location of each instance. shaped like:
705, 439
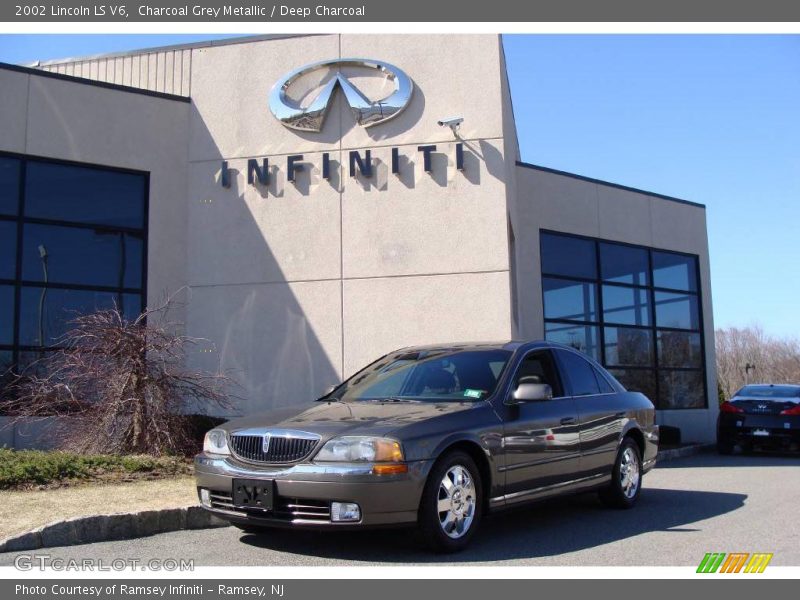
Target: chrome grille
283, 447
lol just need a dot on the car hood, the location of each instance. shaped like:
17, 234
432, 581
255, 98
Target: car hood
329, 419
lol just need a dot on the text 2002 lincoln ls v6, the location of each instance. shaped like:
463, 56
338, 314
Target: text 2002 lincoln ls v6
437, 436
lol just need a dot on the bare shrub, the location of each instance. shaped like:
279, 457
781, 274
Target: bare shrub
119, 387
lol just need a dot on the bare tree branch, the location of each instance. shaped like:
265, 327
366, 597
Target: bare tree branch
121, 386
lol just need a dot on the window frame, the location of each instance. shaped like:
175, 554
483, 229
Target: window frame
653, 326
20, 219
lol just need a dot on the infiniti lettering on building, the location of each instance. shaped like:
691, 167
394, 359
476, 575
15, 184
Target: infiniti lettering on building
366, 112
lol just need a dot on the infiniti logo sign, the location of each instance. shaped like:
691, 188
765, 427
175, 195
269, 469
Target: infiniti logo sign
366, 112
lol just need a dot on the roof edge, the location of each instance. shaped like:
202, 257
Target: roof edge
246, 39
609, 184
92, 82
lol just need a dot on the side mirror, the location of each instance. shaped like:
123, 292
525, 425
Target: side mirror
532, 392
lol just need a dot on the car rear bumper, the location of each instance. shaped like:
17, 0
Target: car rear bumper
763, 430
304, 492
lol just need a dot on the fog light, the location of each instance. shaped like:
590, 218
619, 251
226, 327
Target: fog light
345, 511
205, 497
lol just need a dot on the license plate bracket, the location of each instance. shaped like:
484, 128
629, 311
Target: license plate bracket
253, 494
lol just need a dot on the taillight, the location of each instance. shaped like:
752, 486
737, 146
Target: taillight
729, 408
795, 410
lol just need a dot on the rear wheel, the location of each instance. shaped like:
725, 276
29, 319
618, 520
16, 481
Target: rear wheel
450, 511
626, 478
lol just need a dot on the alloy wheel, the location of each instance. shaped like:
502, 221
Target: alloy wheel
456, 501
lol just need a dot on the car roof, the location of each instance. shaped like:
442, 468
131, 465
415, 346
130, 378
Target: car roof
511, 345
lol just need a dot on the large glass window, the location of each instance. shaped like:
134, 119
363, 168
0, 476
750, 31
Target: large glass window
84, 195
574, 300
8, 249
634, 309
83, 249
584, 338
6, 315
9, 186
569, 256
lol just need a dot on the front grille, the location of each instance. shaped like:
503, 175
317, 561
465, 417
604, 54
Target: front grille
286, 509
282, 448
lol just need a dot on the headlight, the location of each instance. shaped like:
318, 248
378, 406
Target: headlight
216, 442
361, 449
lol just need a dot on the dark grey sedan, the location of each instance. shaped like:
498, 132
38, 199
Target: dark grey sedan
436, 436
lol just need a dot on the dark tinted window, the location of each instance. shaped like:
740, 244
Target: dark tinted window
770, 391
8, 249
636, 311
82, 194
605, 386
584, 338
83, 256
674, 271
626, 306
9, 186
624, 264
573, 300
579, 373
637, 380
680, 389
46, 312
679, 349
568, 256
6, 314
625, 346
676, 310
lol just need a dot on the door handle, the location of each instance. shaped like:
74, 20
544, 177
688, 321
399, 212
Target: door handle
568, 420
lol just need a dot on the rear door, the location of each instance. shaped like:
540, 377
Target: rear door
600, 416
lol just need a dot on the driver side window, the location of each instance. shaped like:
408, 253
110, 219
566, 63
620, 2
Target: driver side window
538, 367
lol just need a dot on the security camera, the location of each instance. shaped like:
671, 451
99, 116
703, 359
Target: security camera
451, 122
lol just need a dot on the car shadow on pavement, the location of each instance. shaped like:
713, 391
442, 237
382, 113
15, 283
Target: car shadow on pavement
549, 528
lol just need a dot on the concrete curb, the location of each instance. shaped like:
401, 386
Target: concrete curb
690, 450
104, 528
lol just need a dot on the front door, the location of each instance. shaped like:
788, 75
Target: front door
540, 441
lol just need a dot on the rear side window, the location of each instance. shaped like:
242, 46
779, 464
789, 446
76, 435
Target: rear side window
579, 373
605, 387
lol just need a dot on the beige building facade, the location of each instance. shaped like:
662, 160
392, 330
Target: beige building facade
300, 256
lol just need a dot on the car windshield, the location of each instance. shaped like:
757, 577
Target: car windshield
432, 375
770, 391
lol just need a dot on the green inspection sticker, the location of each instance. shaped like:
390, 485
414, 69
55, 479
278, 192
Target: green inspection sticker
473, 393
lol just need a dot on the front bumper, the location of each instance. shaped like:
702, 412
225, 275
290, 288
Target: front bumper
304, 492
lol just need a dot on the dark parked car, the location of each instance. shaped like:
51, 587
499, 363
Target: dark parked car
760, 415
437, 436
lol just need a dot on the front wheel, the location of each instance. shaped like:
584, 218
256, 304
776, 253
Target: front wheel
626, 478
450, 511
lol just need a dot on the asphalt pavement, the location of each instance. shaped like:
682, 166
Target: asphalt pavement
689, 506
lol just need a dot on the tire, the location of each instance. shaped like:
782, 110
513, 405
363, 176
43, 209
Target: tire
724, 447
451, 530
626, 477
